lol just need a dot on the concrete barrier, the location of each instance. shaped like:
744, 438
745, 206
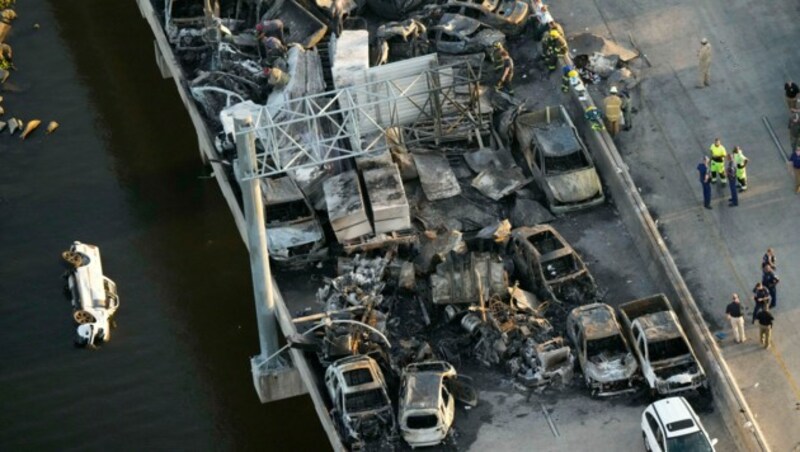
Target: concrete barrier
662, 269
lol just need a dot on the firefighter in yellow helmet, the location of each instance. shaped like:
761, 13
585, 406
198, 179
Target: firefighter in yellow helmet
718, 154
553, 46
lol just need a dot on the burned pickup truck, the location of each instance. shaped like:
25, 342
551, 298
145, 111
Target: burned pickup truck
549, 266
668, 362
609, 367
294, 234
558, 160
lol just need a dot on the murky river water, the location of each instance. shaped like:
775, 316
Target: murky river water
122, 172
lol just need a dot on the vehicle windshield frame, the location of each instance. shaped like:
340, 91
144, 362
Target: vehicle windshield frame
690, 442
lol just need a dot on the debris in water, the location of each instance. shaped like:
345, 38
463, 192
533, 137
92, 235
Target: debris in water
2, 125
32, 125
13, 125
50, 127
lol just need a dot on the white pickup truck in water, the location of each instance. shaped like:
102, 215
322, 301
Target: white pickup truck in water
94, 297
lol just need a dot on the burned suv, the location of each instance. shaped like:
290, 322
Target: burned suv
609, 367
361, 406
548, 266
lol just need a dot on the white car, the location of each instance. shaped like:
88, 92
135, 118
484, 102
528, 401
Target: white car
94, 296
361, 405
427, 407
671, 425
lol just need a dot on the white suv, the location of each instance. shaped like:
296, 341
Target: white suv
671, 425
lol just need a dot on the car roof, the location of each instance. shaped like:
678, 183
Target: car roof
597, 320
422, 390
557, 140
676, 415
357, 367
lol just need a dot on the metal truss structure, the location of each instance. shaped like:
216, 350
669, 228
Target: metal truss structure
433, 104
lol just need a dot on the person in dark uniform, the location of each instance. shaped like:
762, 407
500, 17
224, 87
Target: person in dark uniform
761, 297
765, 319
770, 280
736, 317
705, 181
792, 90
730, 171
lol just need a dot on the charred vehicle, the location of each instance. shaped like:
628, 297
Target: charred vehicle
457, 34
294, 233
609, 367
549, 266
558, 160
361, 405
508, 16
401, 40
93, 295
427, 408
667, 360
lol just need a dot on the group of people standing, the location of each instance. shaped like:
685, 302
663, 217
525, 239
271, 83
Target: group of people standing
765, 297
728, 168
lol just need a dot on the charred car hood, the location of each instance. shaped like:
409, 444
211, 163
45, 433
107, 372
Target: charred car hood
603, 368
576, 186
281, 238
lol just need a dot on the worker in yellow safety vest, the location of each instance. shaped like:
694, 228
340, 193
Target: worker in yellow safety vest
718, 154
613, 111
741, 167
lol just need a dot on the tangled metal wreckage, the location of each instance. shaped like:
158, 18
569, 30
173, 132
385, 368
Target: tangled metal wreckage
375, 143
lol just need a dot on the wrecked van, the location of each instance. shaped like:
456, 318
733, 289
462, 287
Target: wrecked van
427, 408
547, 265
558, 160
294, 234
457, 34
361, 406
508, 16
668, 362
609, 368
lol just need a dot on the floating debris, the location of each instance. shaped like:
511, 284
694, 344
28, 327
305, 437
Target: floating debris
2, 125
32, 125
13, 125
50, 127
35, 26
8, 15
2, 111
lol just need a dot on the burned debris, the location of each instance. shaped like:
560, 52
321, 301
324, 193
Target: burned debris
381, 146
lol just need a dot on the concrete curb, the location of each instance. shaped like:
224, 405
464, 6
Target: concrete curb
634, 213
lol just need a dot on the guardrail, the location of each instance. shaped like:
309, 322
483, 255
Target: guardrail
648, 240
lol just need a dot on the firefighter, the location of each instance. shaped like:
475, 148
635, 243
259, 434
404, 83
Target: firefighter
741, 162
613, 110
505, 66
553, 47
565, 78
718, 154
271, 28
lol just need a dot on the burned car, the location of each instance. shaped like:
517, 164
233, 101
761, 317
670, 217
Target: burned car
427, 407
294, 233
609, 367
547, 265
361, 406
508, 16
558, 160
668, 362
457, 34
402, 40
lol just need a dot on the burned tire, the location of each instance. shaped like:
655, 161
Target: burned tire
81, 317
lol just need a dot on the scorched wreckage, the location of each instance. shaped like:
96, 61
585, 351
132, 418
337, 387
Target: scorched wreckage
382, 152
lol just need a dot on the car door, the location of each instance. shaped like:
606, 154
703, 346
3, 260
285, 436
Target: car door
653, 436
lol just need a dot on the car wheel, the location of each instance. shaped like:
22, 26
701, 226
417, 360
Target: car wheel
646, 444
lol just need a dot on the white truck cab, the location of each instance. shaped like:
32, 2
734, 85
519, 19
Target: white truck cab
94, 296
